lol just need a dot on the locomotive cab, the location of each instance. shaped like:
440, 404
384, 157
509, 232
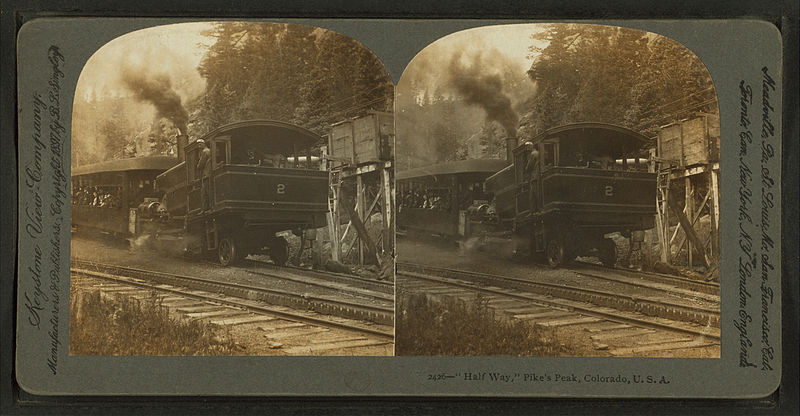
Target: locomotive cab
263, 178
574, 185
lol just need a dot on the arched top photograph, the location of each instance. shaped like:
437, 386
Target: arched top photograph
602, 148
223, 153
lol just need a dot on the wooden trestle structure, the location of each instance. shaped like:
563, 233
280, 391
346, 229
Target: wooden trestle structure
688, 157
361, 184
370, 188
688, 212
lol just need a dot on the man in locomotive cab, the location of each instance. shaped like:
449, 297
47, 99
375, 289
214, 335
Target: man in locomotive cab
532, 161
532, 172
204, 172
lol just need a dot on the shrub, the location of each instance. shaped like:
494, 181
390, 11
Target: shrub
453, 327
122, 325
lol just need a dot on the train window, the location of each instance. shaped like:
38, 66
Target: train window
548, 154
220, 153
436, 199
600, 159
98, 196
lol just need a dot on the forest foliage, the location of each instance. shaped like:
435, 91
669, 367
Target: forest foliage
298, 74
579, 73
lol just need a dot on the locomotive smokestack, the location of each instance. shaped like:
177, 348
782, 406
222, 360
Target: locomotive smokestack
511, 144
157, 90
181, 141
478, 86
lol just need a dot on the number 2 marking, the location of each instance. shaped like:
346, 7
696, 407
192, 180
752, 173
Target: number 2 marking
281, 188
609, 190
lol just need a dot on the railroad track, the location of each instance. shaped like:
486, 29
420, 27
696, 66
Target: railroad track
661, 308
278, 328
238, 295
602, 272
556, 305
319, 278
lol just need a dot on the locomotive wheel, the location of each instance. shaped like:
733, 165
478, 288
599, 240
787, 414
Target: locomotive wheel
227, 251
555, 252
279, 251
608, 253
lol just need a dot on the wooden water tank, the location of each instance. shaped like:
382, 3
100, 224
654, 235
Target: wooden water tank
363, 140
689, 142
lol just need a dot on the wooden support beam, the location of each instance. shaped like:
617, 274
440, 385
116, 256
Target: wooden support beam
662, 208
714, 211
368, 245
388, 204
689, 212
687, 228
675, 233
334, 221
359, 211
660, 229
372, 206
346, 231
694, 170
694, 220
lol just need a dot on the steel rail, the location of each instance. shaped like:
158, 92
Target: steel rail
711, 288
373, 285
472, 286
377, 314
647, 306
210, 297
569, 307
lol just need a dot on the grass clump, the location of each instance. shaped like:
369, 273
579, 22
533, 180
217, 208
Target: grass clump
452, 327
120, 325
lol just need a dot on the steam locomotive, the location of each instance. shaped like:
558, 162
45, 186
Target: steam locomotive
263, 181
557, 197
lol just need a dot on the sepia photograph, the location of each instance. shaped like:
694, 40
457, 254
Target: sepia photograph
399, 210
557, 196
231, 194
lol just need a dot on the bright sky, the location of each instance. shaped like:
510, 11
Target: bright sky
510, 40
429, 67
174, 50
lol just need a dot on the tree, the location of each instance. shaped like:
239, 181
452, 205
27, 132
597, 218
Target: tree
614, 75
298, 74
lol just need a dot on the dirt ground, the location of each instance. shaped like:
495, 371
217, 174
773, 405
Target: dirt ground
105, 249
437, 252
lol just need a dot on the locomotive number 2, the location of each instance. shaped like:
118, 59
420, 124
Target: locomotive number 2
281, 189
609, 190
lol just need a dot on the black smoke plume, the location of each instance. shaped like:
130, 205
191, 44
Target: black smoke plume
484, 89
157, 90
